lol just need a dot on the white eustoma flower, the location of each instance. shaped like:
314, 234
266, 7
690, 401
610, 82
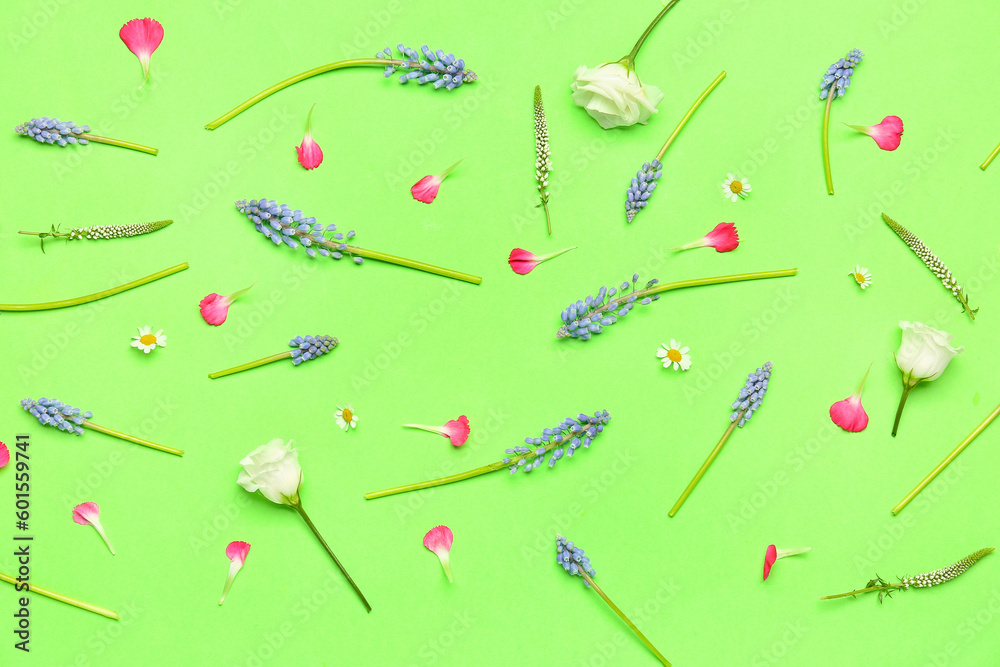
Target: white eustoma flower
274, 470
613, 94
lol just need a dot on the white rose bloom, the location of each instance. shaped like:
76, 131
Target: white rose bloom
274, 470
614, 96
924, 352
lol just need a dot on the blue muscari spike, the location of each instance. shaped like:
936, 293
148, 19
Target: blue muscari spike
751, 395
572, 558
52, 131
559, 434
440, 69
310, 347
50, 412
292, 227
641, 188
838, 76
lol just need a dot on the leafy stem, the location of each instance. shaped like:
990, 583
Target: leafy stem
879, 584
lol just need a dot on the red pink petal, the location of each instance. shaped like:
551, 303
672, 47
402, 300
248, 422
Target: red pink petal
770, 556
886, 134
310, 154
142, 37
457, 430
438, 540
4, 455
723, 238
523, 262
426, 189
215, 307
849, 415
89, 514
236, 552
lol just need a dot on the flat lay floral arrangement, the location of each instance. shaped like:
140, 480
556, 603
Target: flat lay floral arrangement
472, 322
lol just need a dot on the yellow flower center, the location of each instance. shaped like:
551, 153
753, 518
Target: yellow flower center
674, 356
147, 339
347, 415
860, 278
736, 187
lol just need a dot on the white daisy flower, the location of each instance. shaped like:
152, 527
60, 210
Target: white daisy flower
346, 417
147, 341
676, 355
735, 188
861, 276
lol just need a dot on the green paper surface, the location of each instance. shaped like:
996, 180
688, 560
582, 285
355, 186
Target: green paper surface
417, 348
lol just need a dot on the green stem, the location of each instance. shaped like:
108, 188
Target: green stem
548, 220
704, 466
948, 459
250, 364
297, 506
687, 116
870, 589
49, 305
118, 142
355, 62
989, 159
621, 614
131, 438
826, 140
411, 263
61, 598
907, 388
629, 60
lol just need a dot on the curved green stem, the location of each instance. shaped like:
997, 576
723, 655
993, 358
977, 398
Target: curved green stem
826, 140
629, 60
621, 615
948, 459
687, 116
297, 506
899, 410
132, 438
989, 159
355, 62
86, 606
704, 466
118, 142
250, 364
65, 303
411, 263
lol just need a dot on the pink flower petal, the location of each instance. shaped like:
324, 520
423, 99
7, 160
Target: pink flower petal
849, 414
426, 189
86, 513
438, 540
724, 237
142, 37
457, 430
215, 308
770, 556
522, 261
237, 551
886, 134
310, 154
4, 455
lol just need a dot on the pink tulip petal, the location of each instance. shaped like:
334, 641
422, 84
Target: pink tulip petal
457, 430
886, 134
426, 189
4, 455
215, 308
849, 414
770, 556
522, 261
438, 540
142, 37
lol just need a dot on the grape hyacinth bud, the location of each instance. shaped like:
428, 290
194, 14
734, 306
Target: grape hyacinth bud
751, 395
641, 188
573, 558
838, 77
310, 347
442, 70
564, 439
50, 412
587, 318
53, 131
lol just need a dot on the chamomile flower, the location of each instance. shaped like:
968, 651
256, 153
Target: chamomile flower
861, 276
147, 341
735, 188
676, 355
346, 417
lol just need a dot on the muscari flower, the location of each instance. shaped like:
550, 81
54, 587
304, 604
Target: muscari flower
773, 555
834, 84
309, 152
346, 417
747, 402
675, 355
849, 414
735, 188
562, 440
456, 430
100, 231
575, 562
147, 340
89, 514
861, 276
426, 189
439, 540
641, 188
932, 262
543, 157
282, 225
886, 134
214, 308
927, 580
523, 262
142, 37
54, 131
723, 238
304, 348
50, 412
440, 69
236, 552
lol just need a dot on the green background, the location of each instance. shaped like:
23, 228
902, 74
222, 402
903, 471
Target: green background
421, 348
